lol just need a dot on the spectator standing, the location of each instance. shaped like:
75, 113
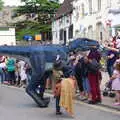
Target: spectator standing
116, 83
78, 76
93, 75
2, 68
84, 73
23, 76
28, 72
11, 70
17, 73
111, 58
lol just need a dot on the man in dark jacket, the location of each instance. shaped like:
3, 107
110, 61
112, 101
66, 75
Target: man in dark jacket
78, 76
93, 75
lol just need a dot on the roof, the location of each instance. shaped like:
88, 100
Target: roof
65, 8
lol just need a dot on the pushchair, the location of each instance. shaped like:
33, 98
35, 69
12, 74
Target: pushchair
108, 90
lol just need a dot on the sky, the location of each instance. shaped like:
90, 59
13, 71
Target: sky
15, 2
11, 2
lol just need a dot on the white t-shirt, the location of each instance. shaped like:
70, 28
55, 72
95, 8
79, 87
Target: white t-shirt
22, 70
2, 65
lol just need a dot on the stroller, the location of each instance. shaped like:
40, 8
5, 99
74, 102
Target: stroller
108, 90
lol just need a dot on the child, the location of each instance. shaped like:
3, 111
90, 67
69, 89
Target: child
56, 77
116, 83
67, 94
57, 96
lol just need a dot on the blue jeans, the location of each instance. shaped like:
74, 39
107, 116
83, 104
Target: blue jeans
2, 75
110, 70
86, 85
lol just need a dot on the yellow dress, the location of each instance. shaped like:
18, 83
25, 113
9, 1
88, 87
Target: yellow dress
67, 94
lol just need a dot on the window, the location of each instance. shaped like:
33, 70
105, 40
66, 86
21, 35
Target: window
90, 31
99, 31
83, 10
90, 6
61, 34
118, 1
70, 35
4, 29
108, 3
99, 5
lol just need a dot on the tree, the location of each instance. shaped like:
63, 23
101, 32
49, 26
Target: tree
43, 9
1, 4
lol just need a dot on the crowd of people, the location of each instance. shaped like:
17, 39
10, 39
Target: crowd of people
14, 71
86, 71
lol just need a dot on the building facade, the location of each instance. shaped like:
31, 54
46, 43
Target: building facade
7, 36
62, 26
94, 19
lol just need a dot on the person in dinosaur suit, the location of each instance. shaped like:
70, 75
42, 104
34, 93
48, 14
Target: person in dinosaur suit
41, 59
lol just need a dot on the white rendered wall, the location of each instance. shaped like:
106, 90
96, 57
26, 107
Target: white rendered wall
7, 37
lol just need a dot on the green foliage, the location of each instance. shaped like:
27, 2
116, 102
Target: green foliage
1, 4
38, 7
44, 10
30, 28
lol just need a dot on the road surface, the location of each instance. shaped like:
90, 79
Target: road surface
15, 104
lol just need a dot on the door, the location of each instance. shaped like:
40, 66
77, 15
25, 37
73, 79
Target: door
65, 37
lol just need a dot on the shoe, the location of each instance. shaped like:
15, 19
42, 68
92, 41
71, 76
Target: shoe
116, 104
112, 95
45, 99
91, 102
41, 103
105, 93
82, 98
98, 101
58, 113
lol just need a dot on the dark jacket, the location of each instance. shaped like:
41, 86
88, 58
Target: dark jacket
93, 67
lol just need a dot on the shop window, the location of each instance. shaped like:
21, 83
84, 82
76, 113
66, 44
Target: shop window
99, 5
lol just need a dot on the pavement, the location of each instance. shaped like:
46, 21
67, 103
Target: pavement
15, 104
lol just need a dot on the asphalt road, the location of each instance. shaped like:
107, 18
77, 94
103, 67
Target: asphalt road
15, 104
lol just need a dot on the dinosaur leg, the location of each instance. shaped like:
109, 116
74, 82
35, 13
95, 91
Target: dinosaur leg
38, 79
